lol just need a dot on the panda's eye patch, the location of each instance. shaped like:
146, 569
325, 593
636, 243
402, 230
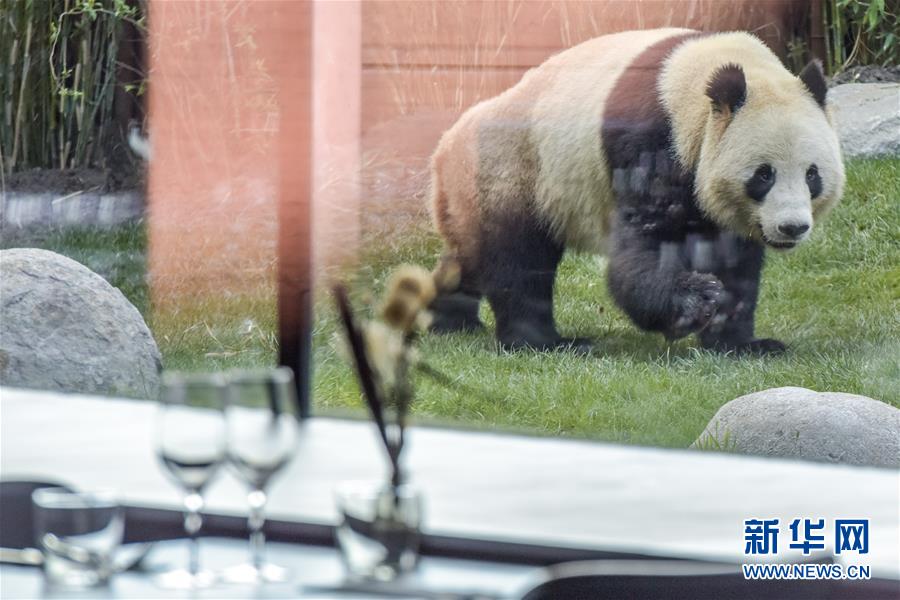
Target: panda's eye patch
764, 173
814, 181
761, 182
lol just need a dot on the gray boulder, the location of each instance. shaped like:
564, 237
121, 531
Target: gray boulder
796, 422
63, 327
868, 118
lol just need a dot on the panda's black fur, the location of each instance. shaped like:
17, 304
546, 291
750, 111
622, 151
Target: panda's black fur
672, 269
658, 213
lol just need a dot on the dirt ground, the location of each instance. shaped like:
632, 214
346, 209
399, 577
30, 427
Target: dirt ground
870, 74
71, 180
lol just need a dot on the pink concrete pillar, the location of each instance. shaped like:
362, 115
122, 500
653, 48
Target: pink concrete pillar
215, 121
337, 68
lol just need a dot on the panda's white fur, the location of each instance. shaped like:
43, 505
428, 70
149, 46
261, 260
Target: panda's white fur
574, 191
780, 123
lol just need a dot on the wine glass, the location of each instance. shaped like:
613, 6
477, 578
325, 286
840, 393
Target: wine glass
262, 435
191, 446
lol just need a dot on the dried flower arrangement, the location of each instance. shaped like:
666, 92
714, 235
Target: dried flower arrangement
383, 351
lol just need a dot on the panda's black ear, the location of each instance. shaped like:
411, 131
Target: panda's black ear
727, 88
813, 78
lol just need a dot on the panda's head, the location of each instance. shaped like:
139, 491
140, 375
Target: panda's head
770, 165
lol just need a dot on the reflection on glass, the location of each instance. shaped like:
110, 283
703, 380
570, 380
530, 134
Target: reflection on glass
191, 446
262, 436
78, 533
379, 529
207, 252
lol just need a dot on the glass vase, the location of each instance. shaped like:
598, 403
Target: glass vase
379, 530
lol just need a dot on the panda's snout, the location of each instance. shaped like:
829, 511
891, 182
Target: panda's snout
785, 219
784, 235
793, 230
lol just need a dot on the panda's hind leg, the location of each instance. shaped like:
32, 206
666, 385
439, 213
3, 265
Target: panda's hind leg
455, 309
517, 270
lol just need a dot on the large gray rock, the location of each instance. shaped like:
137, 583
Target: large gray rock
800, 423
868, 118
63, 327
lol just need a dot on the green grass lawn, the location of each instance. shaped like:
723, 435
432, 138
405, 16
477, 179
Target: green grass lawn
835, 301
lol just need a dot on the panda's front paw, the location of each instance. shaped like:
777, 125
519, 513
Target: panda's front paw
697, 298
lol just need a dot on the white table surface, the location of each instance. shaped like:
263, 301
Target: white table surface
535, 490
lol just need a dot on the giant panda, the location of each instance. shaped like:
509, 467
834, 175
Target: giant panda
681, 155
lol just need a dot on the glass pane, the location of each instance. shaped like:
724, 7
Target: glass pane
607, 239
424, 66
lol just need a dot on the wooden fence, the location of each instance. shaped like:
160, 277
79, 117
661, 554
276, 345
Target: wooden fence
387, 78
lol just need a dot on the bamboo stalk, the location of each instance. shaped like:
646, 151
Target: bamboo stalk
78, 107
20, 109
13, 56
2, 171
838, 35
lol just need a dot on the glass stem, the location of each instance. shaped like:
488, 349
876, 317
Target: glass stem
257, 501
193, 504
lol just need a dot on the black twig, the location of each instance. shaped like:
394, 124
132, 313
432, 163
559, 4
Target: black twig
364, 371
